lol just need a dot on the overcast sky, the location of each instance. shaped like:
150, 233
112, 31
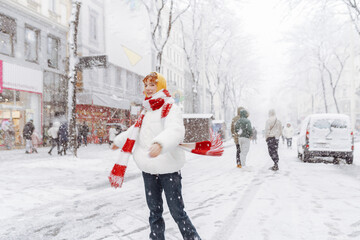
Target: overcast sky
266, 22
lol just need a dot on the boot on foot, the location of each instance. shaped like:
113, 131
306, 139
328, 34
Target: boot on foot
275, 167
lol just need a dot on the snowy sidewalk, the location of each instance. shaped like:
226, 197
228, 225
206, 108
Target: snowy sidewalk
53, 197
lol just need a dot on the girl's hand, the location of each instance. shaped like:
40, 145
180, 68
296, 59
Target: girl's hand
155, 150
114, 147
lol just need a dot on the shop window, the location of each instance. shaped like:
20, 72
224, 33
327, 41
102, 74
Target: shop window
32, 44
53, 52
9, 96
7, 35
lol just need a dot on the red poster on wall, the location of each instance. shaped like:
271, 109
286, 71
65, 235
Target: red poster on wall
1, 76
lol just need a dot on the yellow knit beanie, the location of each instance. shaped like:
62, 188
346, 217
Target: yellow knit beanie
161, 84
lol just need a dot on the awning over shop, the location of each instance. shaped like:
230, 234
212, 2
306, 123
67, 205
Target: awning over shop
98, 99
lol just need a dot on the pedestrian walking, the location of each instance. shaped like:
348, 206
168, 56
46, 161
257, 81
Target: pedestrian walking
112, 134
254, 135
273, 131
54, 137
244, 131
78, 135
288, 133
157, 154
236, 137
35, 140
100, 134
84, 132
27, 132
9, 134
63, 138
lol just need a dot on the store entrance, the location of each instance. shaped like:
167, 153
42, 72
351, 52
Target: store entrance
12, 123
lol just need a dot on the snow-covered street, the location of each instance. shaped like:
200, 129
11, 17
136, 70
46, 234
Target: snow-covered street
52, 197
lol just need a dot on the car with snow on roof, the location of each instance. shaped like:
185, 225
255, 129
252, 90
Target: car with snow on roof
326, 135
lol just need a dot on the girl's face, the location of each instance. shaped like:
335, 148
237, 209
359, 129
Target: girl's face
150, 88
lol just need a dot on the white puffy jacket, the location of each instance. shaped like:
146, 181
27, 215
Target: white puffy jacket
169, 133
273, 128
53, 131
288, 132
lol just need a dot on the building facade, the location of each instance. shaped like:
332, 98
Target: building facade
33, 37
108, 95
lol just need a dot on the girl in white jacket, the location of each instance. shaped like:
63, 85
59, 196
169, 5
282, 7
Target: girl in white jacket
157, 154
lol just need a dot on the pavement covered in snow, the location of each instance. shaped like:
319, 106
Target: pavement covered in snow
53, 197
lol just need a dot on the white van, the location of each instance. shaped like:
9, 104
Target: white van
326, 135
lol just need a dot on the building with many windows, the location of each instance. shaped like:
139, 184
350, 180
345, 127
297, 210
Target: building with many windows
33, 37
111, 94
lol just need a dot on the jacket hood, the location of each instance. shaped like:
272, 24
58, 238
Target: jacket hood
272, 113
239, 111
244, 113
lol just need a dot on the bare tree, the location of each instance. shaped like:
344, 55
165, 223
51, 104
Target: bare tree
73, 61
204, 45
321, 68
335, 75
162, 15
191, 44
354, 13
324, 40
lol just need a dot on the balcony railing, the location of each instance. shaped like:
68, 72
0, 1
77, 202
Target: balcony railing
34, 5
54, 16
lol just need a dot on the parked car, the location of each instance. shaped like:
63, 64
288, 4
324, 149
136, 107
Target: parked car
326, 135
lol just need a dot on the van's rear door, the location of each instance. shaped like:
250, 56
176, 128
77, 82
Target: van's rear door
330, 134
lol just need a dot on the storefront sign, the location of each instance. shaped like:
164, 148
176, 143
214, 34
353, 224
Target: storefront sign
1, 76
93, 62
21, 78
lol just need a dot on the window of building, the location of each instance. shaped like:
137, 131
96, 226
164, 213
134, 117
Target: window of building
119, 77
7, 35
17, 107
53, 52
32, 44
54, 97
93, 28
52, 6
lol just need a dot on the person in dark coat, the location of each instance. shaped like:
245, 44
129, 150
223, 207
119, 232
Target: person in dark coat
84, 132
27, 133
63, 138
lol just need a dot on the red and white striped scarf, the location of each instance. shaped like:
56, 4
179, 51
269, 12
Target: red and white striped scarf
160, 99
